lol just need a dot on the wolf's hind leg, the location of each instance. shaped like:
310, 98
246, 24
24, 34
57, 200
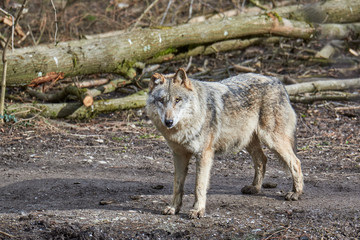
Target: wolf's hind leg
286, 153
259, 160
181, 162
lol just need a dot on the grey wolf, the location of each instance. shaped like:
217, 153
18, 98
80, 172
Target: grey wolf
202, 118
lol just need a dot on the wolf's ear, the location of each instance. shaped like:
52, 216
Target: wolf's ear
155, 80
181, 78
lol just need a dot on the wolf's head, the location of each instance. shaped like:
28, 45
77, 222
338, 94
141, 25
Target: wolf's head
170, 98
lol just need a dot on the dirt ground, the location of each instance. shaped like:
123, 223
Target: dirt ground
109, 178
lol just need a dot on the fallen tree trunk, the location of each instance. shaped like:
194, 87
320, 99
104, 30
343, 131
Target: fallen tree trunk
329, 85
222, 46
92, 83
328, 96
104, 55
78, 110
331, 11
58, 96
83, 94
323, 31
118, 54
137, 100
328, 90
109, 87
338, 31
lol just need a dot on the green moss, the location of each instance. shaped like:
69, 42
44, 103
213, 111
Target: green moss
119, 139
125, 64
75, 60
161, 27
74, 57
277, 16
53, 115
90, 18
126, 68
167, 51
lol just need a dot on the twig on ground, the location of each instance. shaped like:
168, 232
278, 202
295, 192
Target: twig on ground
326, 96
31, 118
189, 64
347, 108
142, 15
23, 38
7, 234
12, 27
56, 22
240, 68
28, 109
259, 5
278, 231
190, 9
308, 87
243, 5
166, 11
31, 34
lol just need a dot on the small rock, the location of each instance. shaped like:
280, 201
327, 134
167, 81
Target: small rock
135, 197
104, 202
157, 187
269, 185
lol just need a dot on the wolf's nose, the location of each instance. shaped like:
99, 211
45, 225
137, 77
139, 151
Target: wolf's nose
169, 122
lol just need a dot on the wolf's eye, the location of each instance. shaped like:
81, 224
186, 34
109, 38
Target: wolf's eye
178, 99
161, 100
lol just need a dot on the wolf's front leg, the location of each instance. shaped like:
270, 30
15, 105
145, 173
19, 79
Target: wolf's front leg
203, 167
181, 162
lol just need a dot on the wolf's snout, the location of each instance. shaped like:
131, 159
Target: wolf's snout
169, 122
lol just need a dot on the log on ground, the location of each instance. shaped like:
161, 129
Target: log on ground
326, 96
119, 54
77, 110
329, 85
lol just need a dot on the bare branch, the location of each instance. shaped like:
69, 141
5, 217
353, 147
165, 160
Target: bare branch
4, 60
190, 9
329, 85
142, 15
12, 28
166, 11
56, 22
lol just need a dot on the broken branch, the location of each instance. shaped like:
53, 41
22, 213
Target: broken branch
78, 111
329, 96
329, 85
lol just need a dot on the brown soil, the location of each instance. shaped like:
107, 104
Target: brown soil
111, 177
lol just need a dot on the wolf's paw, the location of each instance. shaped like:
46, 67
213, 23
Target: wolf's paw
169, 210
292, 196
250, 190
197, 213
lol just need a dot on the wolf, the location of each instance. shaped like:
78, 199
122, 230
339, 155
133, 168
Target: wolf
203, 118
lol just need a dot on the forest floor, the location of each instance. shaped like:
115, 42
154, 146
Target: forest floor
109, 178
